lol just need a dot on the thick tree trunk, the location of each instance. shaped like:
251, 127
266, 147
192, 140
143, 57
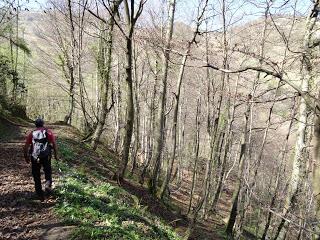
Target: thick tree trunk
299, 162
316, 169
316, 165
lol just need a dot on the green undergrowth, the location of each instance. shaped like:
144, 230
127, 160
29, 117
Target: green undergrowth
98, 209
80, 155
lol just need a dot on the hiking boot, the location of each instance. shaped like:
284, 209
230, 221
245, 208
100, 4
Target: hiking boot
47, 187
40, 196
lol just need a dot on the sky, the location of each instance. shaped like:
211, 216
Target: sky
240, 11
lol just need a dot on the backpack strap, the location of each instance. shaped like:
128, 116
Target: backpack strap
46, 129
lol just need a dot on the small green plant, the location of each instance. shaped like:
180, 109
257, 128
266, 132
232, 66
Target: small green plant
65, 151
222, 233
103, 211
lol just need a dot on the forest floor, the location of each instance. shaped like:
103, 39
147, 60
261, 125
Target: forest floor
23, 216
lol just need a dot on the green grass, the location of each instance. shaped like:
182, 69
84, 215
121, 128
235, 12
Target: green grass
101, 210
222, 233
66, 152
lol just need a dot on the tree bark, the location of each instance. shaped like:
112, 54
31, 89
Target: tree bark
242, 158
197, 147
170, 162
282, 162
104, 66
299, 162
151, 126
131, 17
162, 117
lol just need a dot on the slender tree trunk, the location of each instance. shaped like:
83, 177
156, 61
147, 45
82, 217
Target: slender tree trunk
137, 118
82, 88
131, 17
228, 143
117, 110
151, 126
197, 147
105, 71
162, 117
71, 65
282, 162
175, 128
242, 158
130, 108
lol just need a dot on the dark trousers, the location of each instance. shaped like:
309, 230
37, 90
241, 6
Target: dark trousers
36, 167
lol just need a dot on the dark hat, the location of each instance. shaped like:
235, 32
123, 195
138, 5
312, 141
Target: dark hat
39, 122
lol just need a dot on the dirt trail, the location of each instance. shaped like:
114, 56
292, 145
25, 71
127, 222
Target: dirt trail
22, 216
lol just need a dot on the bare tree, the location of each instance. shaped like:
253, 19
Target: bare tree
131, 19
104, 65
167, 177
162, 114
299, 163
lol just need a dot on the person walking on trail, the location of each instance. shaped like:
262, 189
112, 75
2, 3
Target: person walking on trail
38, 147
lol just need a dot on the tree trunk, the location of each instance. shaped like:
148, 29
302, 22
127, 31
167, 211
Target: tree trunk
197, 147
282, 162
131, 17
151, 125
242, 158
228, 144
162, 117
130, 108
117, 111
175, 128
104, 65
299, 162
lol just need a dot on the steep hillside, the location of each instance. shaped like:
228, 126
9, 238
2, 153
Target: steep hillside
86, 204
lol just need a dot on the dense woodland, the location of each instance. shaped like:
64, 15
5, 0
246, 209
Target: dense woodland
216, 98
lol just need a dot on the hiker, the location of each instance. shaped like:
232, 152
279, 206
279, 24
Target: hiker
37, 149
